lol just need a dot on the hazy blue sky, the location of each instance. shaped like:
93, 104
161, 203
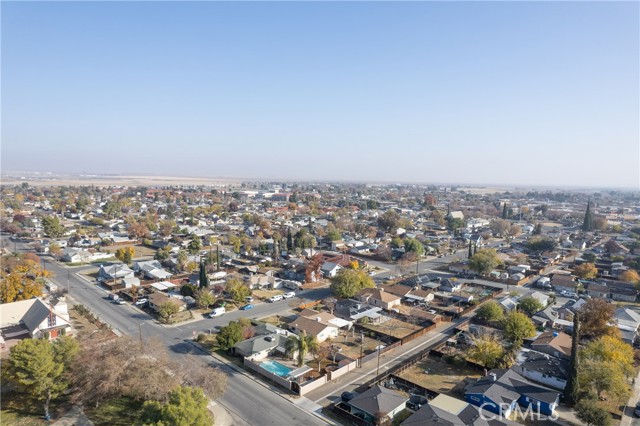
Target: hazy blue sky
507, 92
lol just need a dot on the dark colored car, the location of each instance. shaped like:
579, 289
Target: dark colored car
347, 396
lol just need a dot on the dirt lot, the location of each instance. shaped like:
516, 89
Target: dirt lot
441, 377
394, 327
141, 251
265, 294
351, 346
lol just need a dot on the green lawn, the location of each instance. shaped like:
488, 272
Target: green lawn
117, 412
19, 411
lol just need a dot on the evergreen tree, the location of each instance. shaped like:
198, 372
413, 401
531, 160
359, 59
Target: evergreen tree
289, 240
470, 253
505, 211
572, 387
204, 278
587, 224
218, 257
475, 249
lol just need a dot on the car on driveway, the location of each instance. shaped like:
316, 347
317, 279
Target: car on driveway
141, 302
289, 295
248, 299
120, 301
246, 307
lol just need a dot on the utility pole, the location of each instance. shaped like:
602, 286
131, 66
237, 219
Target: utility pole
140, 330
361, 344
378, 367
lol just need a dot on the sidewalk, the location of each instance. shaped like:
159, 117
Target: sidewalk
75, 417
627, 415
221, 416
359, 376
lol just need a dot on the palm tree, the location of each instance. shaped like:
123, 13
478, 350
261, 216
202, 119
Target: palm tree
303, 344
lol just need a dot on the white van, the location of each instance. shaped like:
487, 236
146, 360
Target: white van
217, 312
275, 298
289, 295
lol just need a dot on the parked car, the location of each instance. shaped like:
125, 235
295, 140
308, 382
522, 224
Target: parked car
636, 412
289, 295
275, 298
246, 307
120, 301
217, 312
248, 299
142, 302
348, 396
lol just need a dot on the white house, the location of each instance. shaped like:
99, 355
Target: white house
38, 318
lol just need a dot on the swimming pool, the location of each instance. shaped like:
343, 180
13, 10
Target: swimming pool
276, 368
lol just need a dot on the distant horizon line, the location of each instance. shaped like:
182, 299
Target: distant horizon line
43, 175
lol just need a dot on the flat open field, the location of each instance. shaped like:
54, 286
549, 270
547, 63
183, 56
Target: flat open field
441, 377
118, 180
394, 327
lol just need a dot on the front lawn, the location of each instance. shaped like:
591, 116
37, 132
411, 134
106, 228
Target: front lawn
17, 410
121, 411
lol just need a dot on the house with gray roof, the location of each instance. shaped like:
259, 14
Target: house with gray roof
260, 347
34, 317
444, 410
378, 403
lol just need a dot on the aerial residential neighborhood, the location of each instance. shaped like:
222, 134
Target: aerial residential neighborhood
320, 213
437, 300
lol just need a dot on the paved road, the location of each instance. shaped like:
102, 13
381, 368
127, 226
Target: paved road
249, 402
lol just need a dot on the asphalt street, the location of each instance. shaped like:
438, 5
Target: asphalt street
248, 401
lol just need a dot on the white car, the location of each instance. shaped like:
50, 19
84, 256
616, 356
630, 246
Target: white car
275, 298
289, 295
141, 302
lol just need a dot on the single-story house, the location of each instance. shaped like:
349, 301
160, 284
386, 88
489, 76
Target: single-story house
501, 390
314, 327
354, 310
554, 343
378, 297
598, 291
158, 299
330, 269
259, 347
113, 272
36, 318
444, 410
561, 282
378, 403
544, 369
450, 285
624, 294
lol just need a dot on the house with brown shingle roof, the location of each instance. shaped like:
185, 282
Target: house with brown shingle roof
556, 344
378, 297
314, 327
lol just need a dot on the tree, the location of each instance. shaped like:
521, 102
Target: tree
505, 211
32, 367
166, 227
348, 282
203, 277
167, 309
630, 276
389, 220
303, 344
455, 223
517, 327
204, 298
411, 245
15, 287
530, 305
55, 250
591, 414
125, 254
586, 271
229, 335
572, 388
396, 242
596, 316
484, 261
490, 311
195, 245
52, 226
610, 348
187, 406
486, 350
237, 290
499, 227
333, 234
587, 223
539, 244
65, 349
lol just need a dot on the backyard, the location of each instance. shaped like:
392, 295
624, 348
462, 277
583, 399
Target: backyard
393, 327
437, 375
